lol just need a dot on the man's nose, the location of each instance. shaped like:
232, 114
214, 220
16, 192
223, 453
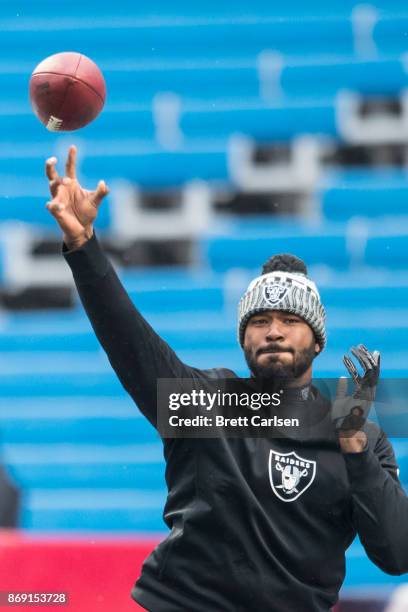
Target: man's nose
275, 331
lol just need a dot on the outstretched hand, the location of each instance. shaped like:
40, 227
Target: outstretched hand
74, 208
350, 412
365, 385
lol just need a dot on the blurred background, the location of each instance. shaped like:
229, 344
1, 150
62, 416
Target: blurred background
231, 132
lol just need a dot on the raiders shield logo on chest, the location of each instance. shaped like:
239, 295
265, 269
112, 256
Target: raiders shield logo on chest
290, 475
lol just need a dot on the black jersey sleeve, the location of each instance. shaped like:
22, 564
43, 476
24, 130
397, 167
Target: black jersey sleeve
137, 354
379, 505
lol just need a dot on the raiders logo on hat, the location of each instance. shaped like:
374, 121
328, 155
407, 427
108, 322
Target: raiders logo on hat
274, 293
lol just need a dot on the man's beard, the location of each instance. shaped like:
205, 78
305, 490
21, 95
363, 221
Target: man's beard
278, 370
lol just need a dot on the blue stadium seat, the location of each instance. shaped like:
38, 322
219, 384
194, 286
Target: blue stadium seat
59, 384
179, 299
141, 81
373, 200
365, 297
180, 38
248, 252
388, 252
264, 123
204, 337
26, 130
211, 9
217, 80
158, 168
390, 32
106, 510
375, 77
130, 133
80, 474
198, 37
109, 430
148, 165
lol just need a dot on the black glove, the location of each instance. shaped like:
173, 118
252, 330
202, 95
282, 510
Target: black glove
350, 411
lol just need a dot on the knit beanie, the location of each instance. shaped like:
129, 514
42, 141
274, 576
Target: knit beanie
283, 285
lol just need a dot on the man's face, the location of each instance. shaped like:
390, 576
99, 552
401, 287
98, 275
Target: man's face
279, 344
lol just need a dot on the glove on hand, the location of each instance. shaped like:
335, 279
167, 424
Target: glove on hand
349, 412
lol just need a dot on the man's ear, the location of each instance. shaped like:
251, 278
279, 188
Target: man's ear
317, 348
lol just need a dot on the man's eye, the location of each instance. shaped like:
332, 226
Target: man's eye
259, 321
291, 320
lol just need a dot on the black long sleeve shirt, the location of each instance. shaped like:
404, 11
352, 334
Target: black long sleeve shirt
236, 543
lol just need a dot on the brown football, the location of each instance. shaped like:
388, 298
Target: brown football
67, 91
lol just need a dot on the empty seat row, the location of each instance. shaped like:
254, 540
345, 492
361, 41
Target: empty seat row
108, 509
340, 202
130, 130
218, 80
374, 199
97, 430
204, 337
149, 166
150, 36
328, 248
91, 374
212, 9
142, 474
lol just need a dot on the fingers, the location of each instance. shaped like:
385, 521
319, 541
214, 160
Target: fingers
367, 360
50, 170
70, 166
363, 357
100, 193
373, 357
351, 368
56, 209
54, 184
370, 361
367, 354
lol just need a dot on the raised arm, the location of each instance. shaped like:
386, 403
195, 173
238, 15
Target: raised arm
137, 354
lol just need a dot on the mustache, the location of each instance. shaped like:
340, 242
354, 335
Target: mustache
273, 348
